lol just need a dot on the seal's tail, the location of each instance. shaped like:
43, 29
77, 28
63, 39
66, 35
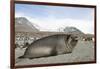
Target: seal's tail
21, 57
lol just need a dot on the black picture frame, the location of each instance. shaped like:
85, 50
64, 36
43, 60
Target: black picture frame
12, 33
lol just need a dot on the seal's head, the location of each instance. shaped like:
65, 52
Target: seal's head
74, 40
71, 41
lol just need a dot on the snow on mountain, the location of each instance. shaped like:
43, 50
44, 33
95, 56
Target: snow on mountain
24, 25
72, 30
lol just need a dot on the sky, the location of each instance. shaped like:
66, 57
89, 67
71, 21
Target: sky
51, 18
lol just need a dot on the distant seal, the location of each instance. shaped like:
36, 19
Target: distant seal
50, 46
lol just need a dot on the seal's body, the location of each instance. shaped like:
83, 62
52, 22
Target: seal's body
51, 45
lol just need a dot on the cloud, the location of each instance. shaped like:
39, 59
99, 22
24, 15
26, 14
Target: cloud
51, 23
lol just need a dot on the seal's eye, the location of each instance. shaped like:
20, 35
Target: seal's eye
76, 38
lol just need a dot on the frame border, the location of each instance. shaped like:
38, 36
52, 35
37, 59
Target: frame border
12, 32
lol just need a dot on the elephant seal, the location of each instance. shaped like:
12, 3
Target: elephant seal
50, 46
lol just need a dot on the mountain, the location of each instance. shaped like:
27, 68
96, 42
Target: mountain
24, 25
72, 30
